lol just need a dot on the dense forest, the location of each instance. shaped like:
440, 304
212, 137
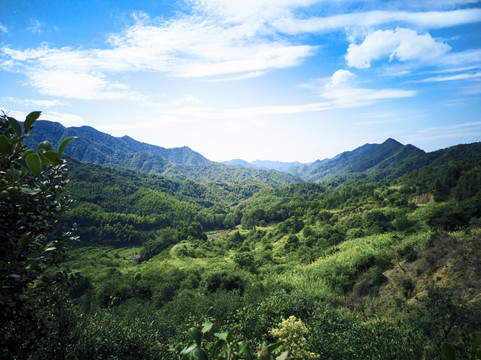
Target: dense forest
380, 262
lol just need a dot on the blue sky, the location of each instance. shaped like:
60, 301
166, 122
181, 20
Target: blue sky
255, 79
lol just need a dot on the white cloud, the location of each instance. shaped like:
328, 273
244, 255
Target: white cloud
461, 58
218, 40
463, 76
342, 93
37, 103
402, 44
189, 46
79, 85
35, 27
369, 19
65, 119
187, 99
3, 28
250, 75
19, 115
339, 91
340, 78
470, 131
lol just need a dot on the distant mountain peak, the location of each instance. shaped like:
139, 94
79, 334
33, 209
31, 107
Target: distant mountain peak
368, 159
392, 141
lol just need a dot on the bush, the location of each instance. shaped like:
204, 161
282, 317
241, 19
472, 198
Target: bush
292, 243
245, 260
408, 253
336, 336
294, 335
224, 281
106, 336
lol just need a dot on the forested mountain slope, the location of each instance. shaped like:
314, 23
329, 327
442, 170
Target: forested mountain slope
436, 158
386, 161
120, 206
97, 147
368, 159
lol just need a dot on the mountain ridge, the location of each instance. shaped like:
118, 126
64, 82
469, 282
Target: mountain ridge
181, 163
386, 161
363, 160
91, 142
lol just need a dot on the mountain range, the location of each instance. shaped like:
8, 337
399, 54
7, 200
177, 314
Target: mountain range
264, 164
388, 160
182, 163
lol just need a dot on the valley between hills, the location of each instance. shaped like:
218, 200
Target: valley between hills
372, 254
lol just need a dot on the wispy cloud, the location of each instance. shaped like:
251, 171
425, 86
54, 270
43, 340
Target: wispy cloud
471, 130
63, 118
190, 47
337, 92
3, 29
370, 19
80, 85
235, 78
343, 93
187, 99
450, 127
36, 103
463, 76
35, 26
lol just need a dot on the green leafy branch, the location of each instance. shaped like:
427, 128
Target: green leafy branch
225, 347
11, 147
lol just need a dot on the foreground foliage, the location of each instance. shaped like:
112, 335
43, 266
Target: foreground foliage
31, 202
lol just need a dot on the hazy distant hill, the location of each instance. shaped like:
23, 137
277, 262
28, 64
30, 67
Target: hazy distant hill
263, 164
238, 162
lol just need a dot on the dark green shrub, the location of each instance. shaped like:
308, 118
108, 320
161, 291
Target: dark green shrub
336, 336
79, 286
245, 260
164, 239
408, 286
224, 281
408, 253
376, 222
403, 224
292, 243
106, 336
452, 216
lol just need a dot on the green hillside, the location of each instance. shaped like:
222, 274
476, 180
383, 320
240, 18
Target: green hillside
359, 263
